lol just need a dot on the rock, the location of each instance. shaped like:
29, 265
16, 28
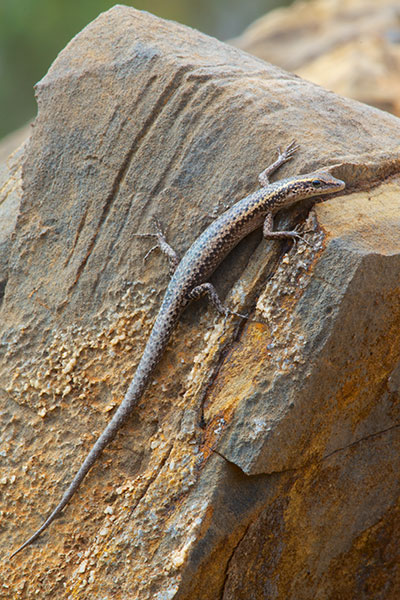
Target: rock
141, 117
366, 71
351, 47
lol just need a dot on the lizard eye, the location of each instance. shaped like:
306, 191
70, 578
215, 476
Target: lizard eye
317, 182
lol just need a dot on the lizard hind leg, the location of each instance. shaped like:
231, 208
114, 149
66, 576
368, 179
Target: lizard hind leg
207, 289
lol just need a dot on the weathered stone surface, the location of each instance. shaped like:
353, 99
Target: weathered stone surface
141, 117
350, 47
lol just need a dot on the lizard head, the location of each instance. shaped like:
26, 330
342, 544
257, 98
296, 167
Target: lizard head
318, 183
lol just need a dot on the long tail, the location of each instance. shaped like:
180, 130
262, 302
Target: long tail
152, 353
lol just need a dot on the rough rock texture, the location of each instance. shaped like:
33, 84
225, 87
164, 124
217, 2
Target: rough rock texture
141, 117
352, 47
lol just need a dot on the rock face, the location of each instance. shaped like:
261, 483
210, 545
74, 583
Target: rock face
350, 47
140, 117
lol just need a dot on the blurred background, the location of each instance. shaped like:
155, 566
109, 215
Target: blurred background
32, 32
351, 47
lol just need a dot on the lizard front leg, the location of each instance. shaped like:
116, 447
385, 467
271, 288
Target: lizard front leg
283, 157
269, 234
163, 245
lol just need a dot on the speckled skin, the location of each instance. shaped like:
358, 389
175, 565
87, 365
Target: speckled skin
189, 282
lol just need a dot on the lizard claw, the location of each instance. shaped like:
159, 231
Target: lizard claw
246, 317
236, 314
300, 236
289, 151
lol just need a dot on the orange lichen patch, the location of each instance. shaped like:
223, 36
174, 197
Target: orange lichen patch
278, 342
215, 428
237, 373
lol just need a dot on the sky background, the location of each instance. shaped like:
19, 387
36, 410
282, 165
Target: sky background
32, 32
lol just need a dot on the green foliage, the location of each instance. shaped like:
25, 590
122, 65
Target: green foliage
32, 32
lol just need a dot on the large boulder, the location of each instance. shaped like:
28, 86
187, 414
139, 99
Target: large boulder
139, 117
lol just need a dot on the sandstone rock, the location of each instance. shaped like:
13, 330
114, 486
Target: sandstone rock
140, 117
366, 70
351, 47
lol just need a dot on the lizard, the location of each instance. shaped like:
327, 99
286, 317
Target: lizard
189, 282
